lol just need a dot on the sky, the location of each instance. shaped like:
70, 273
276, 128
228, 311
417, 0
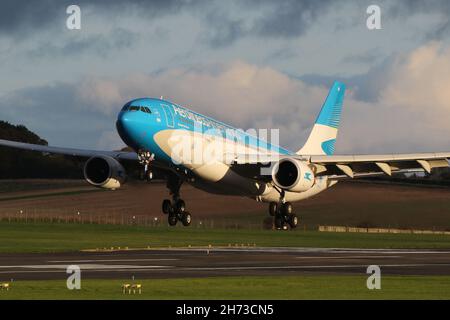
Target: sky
251, 63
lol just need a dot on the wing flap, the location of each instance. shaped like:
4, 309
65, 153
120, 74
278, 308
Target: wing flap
357, 165
351, 166
379, 157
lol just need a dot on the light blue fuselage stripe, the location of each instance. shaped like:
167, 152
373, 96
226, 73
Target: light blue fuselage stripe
145, 126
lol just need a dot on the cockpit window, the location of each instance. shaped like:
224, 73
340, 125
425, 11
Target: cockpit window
145, 109
125, 107
136, 108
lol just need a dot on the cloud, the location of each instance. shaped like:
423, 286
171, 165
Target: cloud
98, 44
441, 32
366, 57
221, 23
58, 113
237, 92
109, 140
273, 19
24, 18
412, 107
404, 8
366, 87
408, 113
438, 11
289, 18
223, 29
281, 18
421, 82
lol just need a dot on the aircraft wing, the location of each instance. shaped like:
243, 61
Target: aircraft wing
356, 165
119, 155
349, 166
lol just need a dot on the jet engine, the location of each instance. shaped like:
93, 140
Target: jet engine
293, 175
104, 172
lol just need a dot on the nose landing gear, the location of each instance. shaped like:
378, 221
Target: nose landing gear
175, 209
145, 158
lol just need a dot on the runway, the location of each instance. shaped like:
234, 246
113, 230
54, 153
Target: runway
171, 263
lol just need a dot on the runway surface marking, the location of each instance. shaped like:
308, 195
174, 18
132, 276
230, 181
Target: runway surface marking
348, 257
287, 250
176, 263
111, 260
84, 266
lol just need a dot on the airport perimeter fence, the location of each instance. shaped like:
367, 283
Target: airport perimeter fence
40, 215
64, 216
381, 230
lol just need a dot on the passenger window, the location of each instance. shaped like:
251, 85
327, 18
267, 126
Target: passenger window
134, 108
148, 110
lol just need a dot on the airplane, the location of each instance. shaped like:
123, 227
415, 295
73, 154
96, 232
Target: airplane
165, 137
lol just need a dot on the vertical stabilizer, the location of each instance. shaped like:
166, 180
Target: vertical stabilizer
322, 138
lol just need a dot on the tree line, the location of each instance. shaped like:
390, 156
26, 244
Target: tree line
20, 164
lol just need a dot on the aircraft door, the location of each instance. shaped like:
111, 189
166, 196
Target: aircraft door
169, 115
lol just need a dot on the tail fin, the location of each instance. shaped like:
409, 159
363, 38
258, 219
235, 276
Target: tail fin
323, 136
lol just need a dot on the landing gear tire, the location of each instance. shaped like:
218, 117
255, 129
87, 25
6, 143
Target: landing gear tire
172, 219
293, 221
279, 222
186, 219
273, 207
286, 209
167, 206
180, 206
285, 217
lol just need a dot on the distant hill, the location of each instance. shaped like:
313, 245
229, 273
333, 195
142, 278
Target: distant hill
28, 164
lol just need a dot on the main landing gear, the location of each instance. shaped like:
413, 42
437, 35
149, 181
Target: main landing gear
175, 209
283, 214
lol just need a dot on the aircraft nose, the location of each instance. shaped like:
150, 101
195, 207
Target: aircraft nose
122, 122
124, 127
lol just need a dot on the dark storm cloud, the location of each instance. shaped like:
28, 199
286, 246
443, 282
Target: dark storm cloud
366, 87
288, 18
99, 44
402, 8
223, 30
293, 18
405, 8
22, 18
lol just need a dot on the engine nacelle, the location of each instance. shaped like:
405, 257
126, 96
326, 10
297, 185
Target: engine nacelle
293, 175
104, 172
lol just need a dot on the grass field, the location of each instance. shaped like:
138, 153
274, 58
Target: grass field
56, 237
271, 288
348, 204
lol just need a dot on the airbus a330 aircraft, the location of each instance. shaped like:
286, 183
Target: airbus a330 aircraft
166, 137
